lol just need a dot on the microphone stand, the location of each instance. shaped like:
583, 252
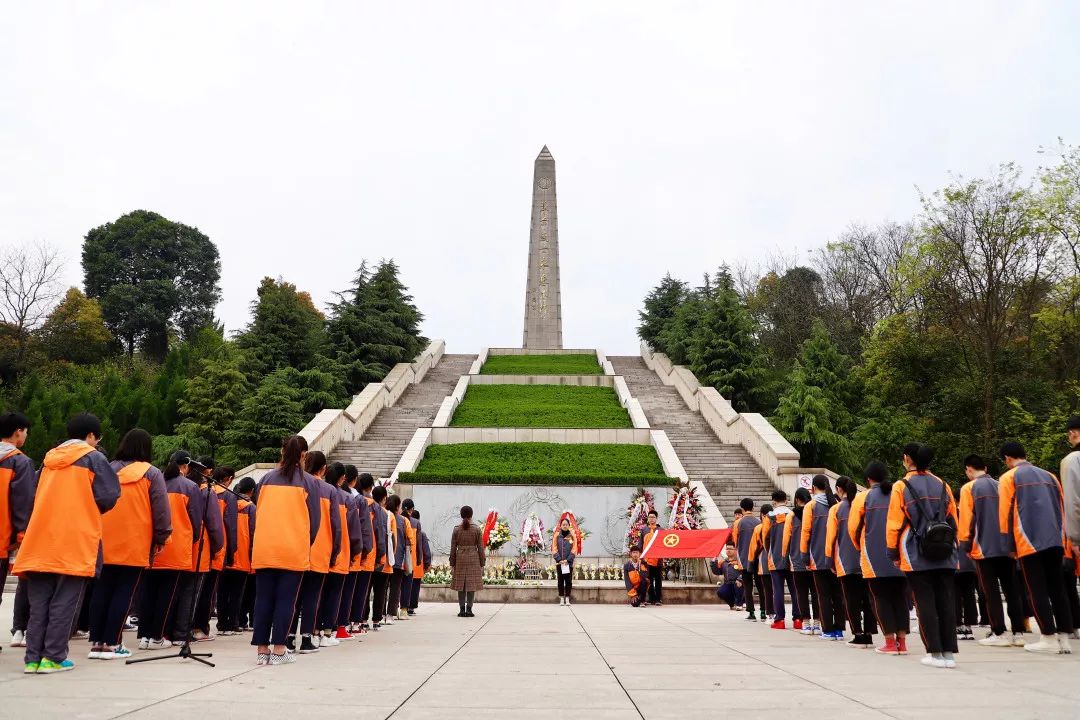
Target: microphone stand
185, 649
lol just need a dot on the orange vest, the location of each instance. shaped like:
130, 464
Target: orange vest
341, 563
417, 553
242, 557
368, 563
646, 536
218, 561
410, 537
6, 476
178, 551
64, 534
127, 530
324, 539
281, 526
391, 524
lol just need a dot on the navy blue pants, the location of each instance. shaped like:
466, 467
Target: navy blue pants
111, 602
331, 601
229, 596
730, 593
275, 600
415, 594
347, 593
361, 607
778, 578
406, 591
306, 612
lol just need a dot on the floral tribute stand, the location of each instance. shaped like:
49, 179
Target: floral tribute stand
685, 509
531, 543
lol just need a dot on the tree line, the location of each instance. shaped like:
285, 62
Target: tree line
139, 345
957, 327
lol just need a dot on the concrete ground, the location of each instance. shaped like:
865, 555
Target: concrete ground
542, 661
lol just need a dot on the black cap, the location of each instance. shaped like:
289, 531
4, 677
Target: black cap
181, 457
1074, 423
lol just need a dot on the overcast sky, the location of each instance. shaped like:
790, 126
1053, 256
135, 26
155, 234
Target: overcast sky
304, 137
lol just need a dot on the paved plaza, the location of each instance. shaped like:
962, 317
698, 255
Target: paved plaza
544, 661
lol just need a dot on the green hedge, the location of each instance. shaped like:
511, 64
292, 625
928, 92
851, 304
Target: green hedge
539, 464
542, 406
581, 364
424, 478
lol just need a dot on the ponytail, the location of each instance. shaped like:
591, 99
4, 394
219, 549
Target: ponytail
878, 472
848, 486
334, 473
314, 461
821, 482
292, 452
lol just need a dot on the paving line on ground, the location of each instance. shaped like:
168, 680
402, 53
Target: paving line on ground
606, 663
186, 692
711, 639
444, 662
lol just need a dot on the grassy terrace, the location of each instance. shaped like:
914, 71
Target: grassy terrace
539, 464
541, 365
543, 406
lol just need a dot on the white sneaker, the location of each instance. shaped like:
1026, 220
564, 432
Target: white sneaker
144, 643
388, 620
18, 639
285, 658
1064, 648
996, 641
115, 653
950, 663
1018, 639
567, 602
159, 644
94, 654
327, 641
931, 661
1042, 646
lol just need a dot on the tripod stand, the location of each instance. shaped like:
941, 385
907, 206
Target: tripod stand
185, 649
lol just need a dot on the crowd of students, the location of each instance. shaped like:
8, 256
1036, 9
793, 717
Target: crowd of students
864, 557
104, 547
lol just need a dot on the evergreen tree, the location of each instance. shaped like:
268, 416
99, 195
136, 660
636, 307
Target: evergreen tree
373, 326
661, 305
212, 402
285, 331
723, 351
268, 415
813, 414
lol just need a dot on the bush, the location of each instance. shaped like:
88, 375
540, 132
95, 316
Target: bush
545, 406
580, 364
539, 464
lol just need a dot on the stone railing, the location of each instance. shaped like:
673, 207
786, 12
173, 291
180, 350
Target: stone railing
331, 427
772, 453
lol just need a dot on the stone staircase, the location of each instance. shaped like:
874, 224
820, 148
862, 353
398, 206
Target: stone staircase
727, 471
382, 445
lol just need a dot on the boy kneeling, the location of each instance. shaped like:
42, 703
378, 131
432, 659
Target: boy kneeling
636, 578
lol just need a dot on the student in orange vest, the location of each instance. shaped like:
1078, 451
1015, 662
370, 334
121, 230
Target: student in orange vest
402, 550
324, 552
1031, 507
361, 610
288, 515
245, 619
220, 545
18, 481
62, 546
135, 530
423, 561
655, 568
234, 577
386, 527
917, 504
359, 525
330, 602
166, 566
412, 537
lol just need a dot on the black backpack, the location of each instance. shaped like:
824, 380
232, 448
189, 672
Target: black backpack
938, 541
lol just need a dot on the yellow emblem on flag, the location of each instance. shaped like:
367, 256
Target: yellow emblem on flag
671, 540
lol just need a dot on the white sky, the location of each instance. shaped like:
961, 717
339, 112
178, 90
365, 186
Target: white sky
302, 137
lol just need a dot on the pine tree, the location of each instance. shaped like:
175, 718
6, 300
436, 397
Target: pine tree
213, 400
374, 326
813, 414
268, 415
661, 305
723, 351
286, 330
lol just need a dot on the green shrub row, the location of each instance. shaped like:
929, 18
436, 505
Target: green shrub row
581, 364
553, 462
543, 406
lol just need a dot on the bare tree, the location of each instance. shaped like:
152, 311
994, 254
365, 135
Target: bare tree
29, 287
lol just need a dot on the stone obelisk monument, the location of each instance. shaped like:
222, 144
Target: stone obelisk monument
543, 302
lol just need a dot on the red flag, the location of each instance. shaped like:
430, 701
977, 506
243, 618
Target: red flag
686, 544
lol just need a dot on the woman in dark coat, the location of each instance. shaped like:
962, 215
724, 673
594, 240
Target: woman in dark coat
467, 559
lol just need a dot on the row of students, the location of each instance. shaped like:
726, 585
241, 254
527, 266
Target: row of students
129, 529
869, 552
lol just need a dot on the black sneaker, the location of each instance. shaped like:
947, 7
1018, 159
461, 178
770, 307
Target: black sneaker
751, 617
469, 613
290, 643
306, 646
461, 613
